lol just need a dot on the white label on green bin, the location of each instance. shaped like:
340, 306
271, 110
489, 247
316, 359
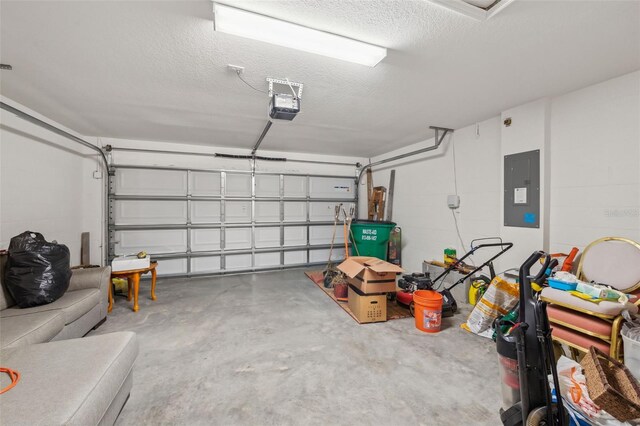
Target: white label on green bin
369, 235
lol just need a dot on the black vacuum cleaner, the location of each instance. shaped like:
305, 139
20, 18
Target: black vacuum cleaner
526, 359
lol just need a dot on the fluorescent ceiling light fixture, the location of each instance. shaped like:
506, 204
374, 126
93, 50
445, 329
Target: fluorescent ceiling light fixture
270, 30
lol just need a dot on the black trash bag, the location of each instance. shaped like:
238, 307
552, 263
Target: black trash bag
38, 272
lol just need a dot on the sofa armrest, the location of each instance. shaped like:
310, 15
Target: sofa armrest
90, 278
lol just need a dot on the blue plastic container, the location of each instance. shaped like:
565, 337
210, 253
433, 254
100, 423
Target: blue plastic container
562, 285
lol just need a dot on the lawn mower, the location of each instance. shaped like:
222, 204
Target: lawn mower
413, 282
409, 284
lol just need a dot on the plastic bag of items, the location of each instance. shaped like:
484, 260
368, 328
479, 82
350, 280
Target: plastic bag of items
500, 298
38, 271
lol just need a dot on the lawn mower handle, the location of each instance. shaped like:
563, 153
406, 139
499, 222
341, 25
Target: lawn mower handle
504, 246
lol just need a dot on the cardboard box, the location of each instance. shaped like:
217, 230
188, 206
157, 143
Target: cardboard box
370, 274
367, 307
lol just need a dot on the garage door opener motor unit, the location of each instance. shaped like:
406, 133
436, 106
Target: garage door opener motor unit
284, 106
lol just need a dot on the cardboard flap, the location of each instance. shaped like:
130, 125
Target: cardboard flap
381, 267
351, 267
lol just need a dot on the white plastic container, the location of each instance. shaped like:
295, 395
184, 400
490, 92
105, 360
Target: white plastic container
126, 263
632, 356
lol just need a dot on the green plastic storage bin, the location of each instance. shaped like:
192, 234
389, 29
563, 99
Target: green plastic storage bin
371, 238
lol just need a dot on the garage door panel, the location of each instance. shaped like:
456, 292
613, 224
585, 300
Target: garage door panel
165, 241
205, 212
238, 261
267, 211
238, 185
237, 238
150, 182
323, 234
238, 211
322, 211
267, 237
295, 257
321, 187
295, 186
267, 259
323, 255
205, 264
172, 267
295, 235
295, 211
150, 212
267, 186
205, 239
203, 183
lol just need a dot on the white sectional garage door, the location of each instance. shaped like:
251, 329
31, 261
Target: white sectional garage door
201, 222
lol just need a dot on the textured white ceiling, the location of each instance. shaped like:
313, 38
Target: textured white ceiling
157, 71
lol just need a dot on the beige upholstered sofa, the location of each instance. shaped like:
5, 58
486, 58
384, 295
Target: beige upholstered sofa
65, 379
81, 308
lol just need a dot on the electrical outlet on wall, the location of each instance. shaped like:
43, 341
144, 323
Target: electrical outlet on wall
453, 201
236, 68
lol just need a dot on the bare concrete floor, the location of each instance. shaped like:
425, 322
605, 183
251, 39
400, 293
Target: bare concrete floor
272, 349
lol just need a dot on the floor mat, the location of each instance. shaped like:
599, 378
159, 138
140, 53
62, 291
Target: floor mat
394, 311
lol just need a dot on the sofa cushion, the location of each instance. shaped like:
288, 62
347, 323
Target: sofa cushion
69, 381
37, 327
606, 308
73, 305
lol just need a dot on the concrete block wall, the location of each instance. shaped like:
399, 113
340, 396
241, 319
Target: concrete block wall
422, 184
590, 157
595, 163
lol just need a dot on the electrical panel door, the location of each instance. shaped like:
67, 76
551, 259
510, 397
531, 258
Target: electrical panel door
522, 189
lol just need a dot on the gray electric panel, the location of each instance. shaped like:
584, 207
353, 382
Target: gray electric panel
522, 189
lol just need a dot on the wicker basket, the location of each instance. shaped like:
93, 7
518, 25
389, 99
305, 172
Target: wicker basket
611, 385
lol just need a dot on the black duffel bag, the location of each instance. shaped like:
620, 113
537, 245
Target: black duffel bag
37, 271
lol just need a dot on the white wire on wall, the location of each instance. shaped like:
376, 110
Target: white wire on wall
455, 186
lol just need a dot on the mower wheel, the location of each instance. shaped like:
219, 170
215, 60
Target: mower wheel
412, 309
391, 296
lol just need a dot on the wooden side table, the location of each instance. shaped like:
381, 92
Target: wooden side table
133, 283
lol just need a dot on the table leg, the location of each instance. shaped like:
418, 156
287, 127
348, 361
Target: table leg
136, 287
153, 284
129, 288
110, 290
